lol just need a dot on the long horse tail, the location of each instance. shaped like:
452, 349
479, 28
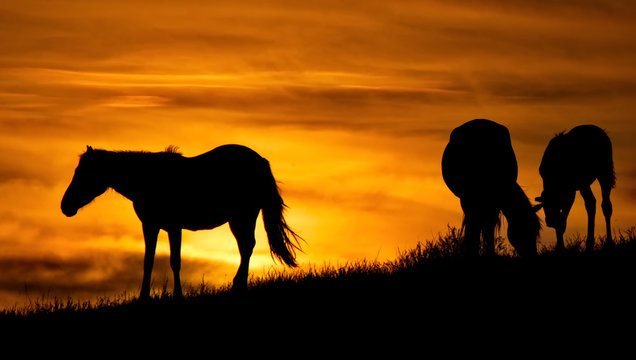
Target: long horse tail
283, 241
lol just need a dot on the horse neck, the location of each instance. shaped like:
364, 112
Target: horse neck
126, 172
518, 210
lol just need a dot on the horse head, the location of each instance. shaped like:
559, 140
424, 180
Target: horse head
555, 206
524, 226
524, 241
87, 184
524, 232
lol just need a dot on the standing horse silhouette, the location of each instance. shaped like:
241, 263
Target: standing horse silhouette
572, 162
230, 184
480, 167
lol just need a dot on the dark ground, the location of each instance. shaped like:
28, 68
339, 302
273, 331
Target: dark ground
571, 301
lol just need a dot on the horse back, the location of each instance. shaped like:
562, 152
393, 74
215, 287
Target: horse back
479, 159
576, 158
228, 170
229, 153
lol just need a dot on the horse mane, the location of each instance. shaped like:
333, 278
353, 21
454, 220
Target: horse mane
558, 138
170, 149
559, 134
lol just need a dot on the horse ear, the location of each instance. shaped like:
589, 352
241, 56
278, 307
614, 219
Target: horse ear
89, 148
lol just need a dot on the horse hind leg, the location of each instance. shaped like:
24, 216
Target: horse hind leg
243, 230
472, 229
491, 219
606, 205
590, 207
174, 236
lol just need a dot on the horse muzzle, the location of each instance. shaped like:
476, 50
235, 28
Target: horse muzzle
68, 211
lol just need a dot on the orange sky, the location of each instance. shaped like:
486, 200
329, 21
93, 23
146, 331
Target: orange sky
352, 103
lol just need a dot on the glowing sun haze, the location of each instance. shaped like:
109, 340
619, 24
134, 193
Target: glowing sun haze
351, 102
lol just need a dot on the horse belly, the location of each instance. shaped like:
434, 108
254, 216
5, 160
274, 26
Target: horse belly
215, 209
202, 212
202, 224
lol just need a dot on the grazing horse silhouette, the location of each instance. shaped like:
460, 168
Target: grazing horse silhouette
572, 162
480, 167
231, 183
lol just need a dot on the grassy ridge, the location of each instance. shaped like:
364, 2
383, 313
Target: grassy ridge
433, 286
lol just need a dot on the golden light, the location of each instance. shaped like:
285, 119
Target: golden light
352, 106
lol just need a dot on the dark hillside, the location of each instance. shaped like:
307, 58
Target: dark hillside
427, 291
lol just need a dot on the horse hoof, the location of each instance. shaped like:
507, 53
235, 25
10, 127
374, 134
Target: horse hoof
239, 289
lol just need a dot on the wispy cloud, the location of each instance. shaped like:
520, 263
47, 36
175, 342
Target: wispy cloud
353, 105
99, 274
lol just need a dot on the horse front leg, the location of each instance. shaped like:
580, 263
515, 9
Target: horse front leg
563, 220
560, 244
560, 230
590, 207
174, 236
150, 238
